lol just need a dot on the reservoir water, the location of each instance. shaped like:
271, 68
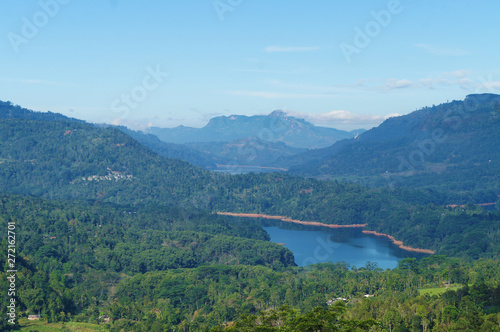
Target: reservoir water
312, 245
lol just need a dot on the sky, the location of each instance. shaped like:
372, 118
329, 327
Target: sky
336, 63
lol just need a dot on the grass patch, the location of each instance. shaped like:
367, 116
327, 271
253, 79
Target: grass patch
438, 290
42, 326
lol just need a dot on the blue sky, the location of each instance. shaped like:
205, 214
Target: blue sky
337, 63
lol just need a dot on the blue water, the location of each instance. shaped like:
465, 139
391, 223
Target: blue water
312, 245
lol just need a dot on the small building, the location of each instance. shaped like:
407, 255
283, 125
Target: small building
34, 317
330, 302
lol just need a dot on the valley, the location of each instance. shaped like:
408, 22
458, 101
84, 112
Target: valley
116, 223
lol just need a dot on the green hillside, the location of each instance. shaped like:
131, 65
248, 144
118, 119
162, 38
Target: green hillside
79, 161
106, 228
450, 148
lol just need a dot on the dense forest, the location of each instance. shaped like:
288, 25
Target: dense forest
156, 269
449, 148
67, 160
109, 229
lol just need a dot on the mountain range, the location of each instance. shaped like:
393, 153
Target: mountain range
122, 231
72, 160
448, 148
277, 127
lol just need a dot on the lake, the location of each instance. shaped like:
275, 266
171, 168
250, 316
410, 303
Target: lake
312, 245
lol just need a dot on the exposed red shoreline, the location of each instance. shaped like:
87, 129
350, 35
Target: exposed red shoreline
400, 243
282, 218
315, 223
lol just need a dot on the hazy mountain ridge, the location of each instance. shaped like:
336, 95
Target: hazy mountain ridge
172, 150
247, 151
433, 146
275, 127
213, 155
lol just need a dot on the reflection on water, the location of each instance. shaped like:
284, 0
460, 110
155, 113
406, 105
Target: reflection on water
312, 245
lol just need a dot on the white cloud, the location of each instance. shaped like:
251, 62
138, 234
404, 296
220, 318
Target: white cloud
442, 50
458, 78
342, 117
458, 73
464, 83
142, 124
487, 85
461, 78
398, 84
282, 49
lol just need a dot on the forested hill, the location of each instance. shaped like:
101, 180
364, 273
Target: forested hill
450, 147
134, 236
73, 160
67, 160
79, 161
11, 111
156, 268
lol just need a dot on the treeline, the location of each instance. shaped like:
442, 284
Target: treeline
468, 231
73, 236
70, 255
246, 298
156, 268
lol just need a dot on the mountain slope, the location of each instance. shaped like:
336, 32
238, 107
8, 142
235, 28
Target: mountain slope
172, 150
79, 161
70, 160
276, 127
247, 151
11, 111
452, 146
214, 155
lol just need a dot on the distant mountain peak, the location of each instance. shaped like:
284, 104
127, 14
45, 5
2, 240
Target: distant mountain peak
278, 113
482, 98
277, 126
